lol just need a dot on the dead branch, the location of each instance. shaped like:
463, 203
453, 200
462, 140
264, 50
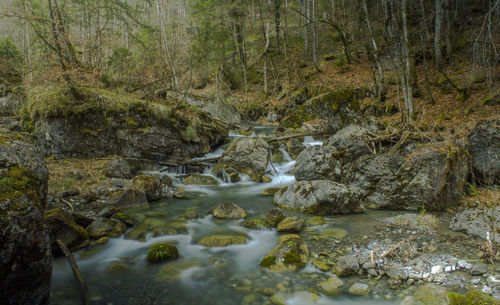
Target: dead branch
305, 134
76, 271
66, 202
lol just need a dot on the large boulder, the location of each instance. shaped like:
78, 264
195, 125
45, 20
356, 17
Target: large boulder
319, 197
352, 140
118, 168
290, 254
247, 155
318, 163
484, 148
432, 177
105, 122
25, 254
149, 185
64, 228
478, 222
128, 198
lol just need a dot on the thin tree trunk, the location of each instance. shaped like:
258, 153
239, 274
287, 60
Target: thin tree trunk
406, 56
437, 33
376, 58
277, 21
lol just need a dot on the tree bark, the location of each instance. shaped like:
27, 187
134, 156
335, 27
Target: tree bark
438, 58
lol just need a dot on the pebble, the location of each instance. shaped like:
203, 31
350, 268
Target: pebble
475, 281
448, 269
487, 290
437, 269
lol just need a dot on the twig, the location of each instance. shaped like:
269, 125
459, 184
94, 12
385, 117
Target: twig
67, 203
400, 143
76, 271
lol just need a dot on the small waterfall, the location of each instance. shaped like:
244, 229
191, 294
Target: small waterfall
180, 169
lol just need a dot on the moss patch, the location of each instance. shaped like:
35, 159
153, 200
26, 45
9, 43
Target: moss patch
472, 297
162, 252
16, 181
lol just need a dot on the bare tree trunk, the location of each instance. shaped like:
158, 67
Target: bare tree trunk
448, 28
163, 36
437, 33
380, 85
277, 21
406, 57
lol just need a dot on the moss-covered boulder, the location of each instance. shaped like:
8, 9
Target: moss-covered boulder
290, 254
335, 107
200, 180
247, 155
103, 122
229, 210
222, 240
162, 252
274, 216
149, 185
484, 148
430, 176
319, 197
290, 225
26, 259
64, 228
105, 227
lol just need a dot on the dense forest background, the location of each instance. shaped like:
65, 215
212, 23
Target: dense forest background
249, 50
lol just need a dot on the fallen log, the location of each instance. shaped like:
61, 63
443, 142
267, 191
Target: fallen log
304, 134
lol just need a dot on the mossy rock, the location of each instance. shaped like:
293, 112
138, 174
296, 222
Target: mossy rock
430, 294
229, 210
291, 225
222, 240
316, 221
17, 181
225, 172
149, 185
333, 286
200, 180
321, 265
290, 254
64, 228
162, 252
472, 297
171, 271
270, 191
256, 224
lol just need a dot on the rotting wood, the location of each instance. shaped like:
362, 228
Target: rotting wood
76, 271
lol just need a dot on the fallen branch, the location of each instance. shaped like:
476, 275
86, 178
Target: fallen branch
305, 134
67, 203
76, 271
400, 143
396, 247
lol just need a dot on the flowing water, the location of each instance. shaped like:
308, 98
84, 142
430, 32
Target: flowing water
117, 272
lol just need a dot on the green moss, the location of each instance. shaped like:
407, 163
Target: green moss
131, 122
268, 261
162, 252
291, 258
17, 181
472, 297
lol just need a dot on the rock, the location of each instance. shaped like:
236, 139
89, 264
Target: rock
317, 163
319, 197
315, 221
437, 269
200, 180
333, 286
171, 271
130, 199
162, 252
256, 224
294, 147
118, 168
395, 272
430, 294
100, 129
108, 211
279, 298
247, 155
222, 240
149, 185
359, 289
352, 139
337, 108
431, 177
229, 210
290, 254
63, 227
102, 227
321, 265
226, 173
25, 254
274, 217
477, 222
347, 265
290, 225
270, 191
332, 233
484, 146
125, 218
478, 269
70, 193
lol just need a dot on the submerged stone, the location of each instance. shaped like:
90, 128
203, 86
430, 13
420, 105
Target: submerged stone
171, 271
315, 221
359, 289
333, 286
222, 240
290, 225
256, 224
106, 227
200, 180
229, 210
290, 254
